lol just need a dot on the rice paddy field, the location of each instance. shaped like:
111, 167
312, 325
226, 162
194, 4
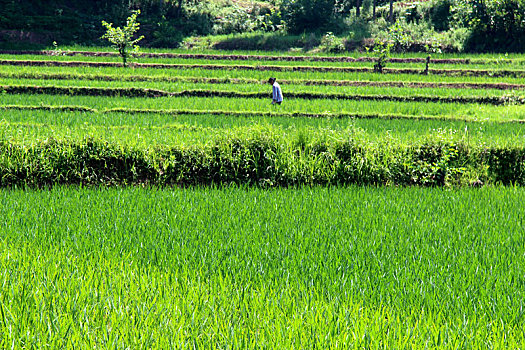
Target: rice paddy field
170, 205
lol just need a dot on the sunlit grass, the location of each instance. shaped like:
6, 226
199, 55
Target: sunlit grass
346, 268
259, 75
260, 88
166, 129
473, 112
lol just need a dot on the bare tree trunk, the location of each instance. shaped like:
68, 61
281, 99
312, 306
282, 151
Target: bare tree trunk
391, 15
358, 9
374, 9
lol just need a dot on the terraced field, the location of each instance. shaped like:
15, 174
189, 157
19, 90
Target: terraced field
342, 218
206, 101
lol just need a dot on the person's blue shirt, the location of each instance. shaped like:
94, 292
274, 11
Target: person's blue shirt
277, 94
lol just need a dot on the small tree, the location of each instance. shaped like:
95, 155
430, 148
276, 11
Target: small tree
382, 50
122, 38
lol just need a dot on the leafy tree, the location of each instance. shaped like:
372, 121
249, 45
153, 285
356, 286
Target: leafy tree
122, 38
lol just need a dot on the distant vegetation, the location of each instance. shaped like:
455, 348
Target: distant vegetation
431, 26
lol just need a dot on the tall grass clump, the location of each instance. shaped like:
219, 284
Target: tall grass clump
260, 156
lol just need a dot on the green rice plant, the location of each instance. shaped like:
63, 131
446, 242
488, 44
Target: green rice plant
272, 263
271, 68
332, 267
153, 93
162, 81
258, 75
169, 128
453, 111
453, 90
147, 135
189, 55
496, 57
200, 58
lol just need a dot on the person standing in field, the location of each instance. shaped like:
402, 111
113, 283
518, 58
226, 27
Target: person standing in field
277, 94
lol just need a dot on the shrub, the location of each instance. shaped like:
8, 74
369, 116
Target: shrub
331, 44
399, 37
234, 19
382, 50
419, 37
205, 18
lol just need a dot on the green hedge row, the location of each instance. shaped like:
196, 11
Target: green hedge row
258, 159
447, 72
140, 92
226, 80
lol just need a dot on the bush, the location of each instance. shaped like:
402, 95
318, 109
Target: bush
496, 26
331, 44
454, 39
204, 18
360, 29
198, 19
382, 50
235, 19
414, 37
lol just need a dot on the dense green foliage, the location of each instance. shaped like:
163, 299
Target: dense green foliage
81, 18
165, 22
428, 26
496, 25
309, 15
